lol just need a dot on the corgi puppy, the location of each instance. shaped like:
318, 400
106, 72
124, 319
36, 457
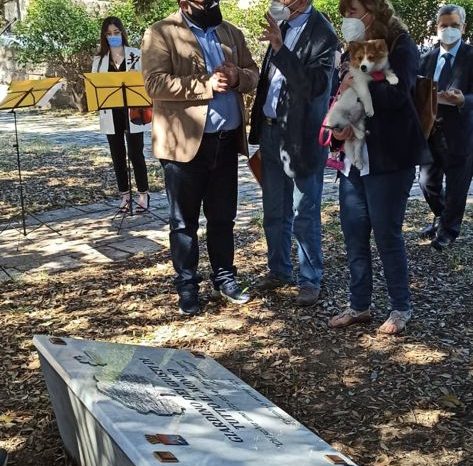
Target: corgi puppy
368, 61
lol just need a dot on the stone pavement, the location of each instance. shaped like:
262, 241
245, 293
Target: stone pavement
89, 234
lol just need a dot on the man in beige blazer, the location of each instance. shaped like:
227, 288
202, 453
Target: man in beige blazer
196, 68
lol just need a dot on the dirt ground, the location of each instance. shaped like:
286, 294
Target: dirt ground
396, 401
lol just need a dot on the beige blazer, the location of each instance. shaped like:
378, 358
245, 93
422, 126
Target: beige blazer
176, 79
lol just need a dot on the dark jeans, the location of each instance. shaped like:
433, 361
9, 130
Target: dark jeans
376, 203
135, 152
447, 203
209, 179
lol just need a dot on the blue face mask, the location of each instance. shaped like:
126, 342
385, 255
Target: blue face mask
115, 41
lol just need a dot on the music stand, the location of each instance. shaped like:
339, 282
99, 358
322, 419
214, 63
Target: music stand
118, 89
23, 94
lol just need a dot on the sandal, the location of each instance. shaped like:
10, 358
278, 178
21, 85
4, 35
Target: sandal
142, 205
396, 322
125, 203
349, 317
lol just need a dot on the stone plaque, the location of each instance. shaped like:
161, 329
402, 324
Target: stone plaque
126, 405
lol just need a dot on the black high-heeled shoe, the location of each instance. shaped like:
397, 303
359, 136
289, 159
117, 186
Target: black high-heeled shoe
141, 208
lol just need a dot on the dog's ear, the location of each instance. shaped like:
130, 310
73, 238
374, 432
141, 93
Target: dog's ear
380, 45
353, 47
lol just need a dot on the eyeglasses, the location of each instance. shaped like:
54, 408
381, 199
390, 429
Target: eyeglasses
207, 4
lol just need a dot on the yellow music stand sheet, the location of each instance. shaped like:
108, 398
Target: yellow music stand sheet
35, 92
105, 90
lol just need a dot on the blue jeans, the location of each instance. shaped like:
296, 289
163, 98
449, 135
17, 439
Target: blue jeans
290, 205
376, 203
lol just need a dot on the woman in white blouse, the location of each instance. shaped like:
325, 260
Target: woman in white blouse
115, 55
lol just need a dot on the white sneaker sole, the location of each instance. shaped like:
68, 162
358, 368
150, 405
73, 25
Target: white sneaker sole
217, 294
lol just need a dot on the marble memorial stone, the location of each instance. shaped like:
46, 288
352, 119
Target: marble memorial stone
126, 405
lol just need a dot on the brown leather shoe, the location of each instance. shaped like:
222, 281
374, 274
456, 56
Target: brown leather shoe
349, 317
308, 296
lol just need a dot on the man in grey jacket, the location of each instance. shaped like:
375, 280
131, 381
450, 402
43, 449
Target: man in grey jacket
291, 102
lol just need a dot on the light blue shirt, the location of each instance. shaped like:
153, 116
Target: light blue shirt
223, 112
441, 61
296, 26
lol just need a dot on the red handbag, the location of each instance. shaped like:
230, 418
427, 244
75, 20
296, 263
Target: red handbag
141, 115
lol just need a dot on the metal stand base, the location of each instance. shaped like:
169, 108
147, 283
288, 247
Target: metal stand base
122, 214
24, 213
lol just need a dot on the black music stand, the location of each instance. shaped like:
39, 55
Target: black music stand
23, 94
120, 89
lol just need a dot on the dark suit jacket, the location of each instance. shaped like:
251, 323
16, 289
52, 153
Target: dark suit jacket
395, 140
304, 95
457, 123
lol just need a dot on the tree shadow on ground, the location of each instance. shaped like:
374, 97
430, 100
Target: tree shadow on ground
399, 401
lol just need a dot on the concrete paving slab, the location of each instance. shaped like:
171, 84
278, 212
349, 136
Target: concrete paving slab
88, 232
137, 246
114, 254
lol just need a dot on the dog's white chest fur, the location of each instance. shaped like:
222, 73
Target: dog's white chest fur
352, 107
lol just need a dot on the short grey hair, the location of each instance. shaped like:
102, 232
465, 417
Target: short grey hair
452, 9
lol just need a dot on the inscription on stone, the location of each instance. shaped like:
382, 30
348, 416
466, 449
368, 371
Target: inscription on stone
157, 405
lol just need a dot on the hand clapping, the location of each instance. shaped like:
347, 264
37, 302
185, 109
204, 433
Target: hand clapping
224, 77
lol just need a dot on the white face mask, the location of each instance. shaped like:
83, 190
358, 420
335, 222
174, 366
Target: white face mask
449, 36
353, 29
279, 11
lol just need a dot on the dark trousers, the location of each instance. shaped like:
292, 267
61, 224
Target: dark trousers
376, 203
135, 152
447, 203
209, 179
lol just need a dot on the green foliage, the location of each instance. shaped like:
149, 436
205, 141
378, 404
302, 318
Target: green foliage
137, 15
330, 8
61, 34
250, 21
155, 10
55, 31
133, 23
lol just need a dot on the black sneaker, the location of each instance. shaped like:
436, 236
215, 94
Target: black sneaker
3, 457
189, 301
430, 231
231, 292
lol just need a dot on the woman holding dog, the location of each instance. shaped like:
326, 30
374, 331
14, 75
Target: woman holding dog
115, 55
375, 197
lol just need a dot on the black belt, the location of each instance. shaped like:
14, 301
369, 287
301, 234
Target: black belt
222, 134
270, 121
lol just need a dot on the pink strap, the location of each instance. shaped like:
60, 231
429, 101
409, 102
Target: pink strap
325, 134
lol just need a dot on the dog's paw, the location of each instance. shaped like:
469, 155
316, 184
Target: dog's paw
369, 112
393, 80
358, 163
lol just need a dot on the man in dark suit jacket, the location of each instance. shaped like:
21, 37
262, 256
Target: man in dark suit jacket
291, 102
451, 142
